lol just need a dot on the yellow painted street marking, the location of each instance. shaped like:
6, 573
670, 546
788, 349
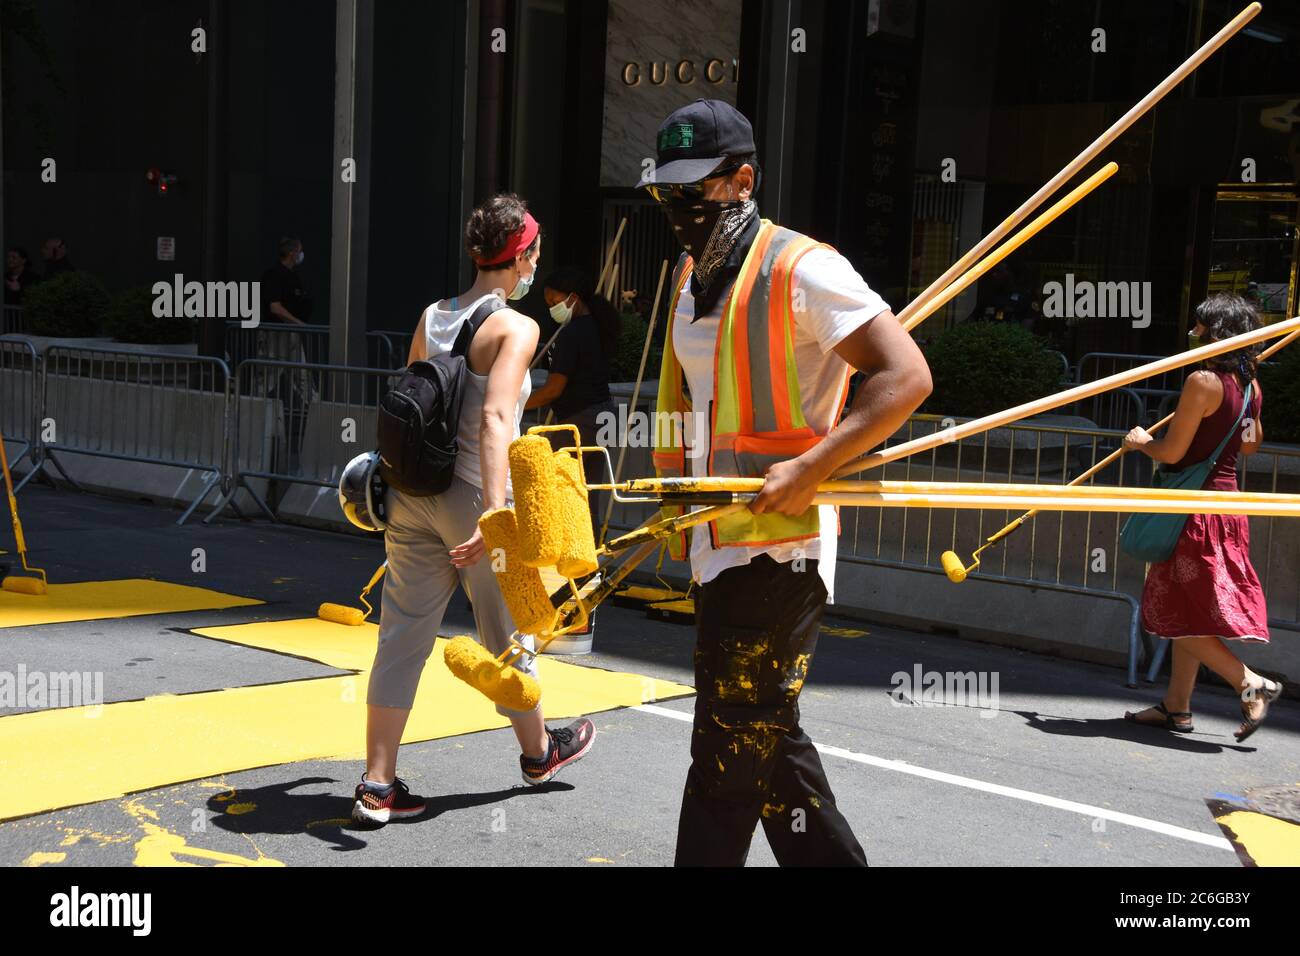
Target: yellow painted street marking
1269, 841
101, 600
139, 745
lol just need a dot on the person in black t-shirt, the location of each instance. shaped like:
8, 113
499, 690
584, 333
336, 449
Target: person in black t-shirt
577, 383
284, 298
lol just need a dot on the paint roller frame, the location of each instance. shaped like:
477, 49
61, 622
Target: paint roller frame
572, 612
352, 616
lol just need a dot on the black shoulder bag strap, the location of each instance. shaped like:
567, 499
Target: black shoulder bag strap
485, 310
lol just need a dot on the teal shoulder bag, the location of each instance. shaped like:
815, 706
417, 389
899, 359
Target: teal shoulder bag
1152, 537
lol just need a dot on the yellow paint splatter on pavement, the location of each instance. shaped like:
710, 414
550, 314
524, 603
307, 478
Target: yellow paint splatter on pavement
44, 859
161, 847
239, 808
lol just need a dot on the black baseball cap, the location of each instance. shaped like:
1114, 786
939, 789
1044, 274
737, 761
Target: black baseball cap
697, 139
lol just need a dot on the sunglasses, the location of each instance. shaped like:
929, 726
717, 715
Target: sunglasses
685, 191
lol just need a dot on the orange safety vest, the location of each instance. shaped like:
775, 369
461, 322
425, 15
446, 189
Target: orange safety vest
756, 417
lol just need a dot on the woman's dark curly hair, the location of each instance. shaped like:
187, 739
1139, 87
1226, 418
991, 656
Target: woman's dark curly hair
1225, 315
492, 224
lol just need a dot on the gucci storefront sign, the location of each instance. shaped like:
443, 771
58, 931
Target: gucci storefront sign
712, 72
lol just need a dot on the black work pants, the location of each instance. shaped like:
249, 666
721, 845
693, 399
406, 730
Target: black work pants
757, 630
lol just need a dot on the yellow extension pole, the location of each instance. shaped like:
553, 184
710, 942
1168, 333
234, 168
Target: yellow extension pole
1079, 392
1075, 165
26, 585
715, 484
937, 302
1241, 503
1118, 452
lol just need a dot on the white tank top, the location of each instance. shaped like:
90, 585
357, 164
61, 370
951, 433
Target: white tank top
441, 326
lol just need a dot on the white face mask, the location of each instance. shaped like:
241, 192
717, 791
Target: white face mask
562, 312
297, 259
522, 286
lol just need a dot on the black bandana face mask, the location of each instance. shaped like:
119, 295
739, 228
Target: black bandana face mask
708, 229
693, 220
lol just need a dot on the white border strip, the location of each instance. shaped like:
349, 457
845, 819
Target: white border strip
1155, 826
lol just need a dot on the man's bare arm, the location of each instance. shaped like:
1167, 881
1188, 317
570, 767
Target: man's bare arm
897, 382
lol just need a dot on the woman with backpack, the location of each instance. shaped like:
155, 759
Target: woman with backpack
433, 543
1206, 593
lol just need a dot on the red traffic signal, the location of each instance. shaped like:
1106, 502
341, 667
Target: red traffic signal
162, 182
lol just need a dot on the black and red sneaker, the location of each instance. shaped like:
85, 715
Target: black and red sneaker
377, 804
567, 745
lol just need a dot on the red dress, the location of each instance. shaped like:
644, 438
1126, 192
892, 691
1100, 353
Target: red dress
1208, 586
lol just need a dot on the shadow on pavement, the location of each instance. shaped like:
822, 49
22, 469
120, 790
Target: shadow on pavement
327, 816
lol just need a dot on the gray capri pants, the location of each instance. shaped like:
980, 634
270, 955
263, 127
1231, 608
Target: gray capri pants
420, 582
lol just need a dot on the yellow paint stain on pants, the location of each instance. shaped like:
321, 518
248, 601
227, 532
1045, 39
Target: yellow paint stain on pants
102, 600
139, 745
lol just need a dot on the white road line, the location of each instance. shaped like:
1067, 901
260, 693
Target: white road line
1087, 810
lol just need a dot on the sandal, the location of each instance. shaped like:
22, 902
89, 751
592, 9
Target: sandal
1177, 721
1263, 694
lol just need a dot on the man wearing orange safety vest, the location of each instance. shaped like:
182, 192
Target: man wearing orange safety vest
764, 330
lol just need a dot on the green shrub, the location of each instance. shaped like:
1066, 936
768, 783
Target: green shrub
1280, 381
130, 318
983, 367
627, 357
71, 305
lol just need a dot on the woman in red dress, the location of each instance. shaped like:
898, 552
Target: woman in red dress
1207, 593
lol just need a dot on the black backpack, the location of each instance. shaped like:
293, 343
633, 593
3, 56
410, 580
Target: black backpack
420, 415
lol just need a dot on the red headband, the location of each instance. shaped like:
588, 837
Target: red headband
517, 243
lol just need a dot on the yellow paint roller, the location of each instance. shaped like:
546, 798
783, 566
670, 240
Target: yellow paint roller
548, 616
469, 660
14, 583
352, 616
551, 504
521, 585
533, 475
578, 557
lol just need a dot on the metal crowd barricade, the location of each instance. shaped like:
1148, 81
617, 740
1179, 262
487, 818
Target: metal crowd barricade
278, 341
298, 424
20, 377
1068, 552
12, 320
309, 344
156, 408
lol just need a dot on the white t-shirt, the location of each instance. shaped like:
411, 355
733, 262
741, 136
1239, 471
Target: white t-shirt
441, 325
838, 302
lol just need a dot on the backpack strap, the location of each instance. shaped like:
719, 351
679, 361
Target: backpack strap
485, 310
